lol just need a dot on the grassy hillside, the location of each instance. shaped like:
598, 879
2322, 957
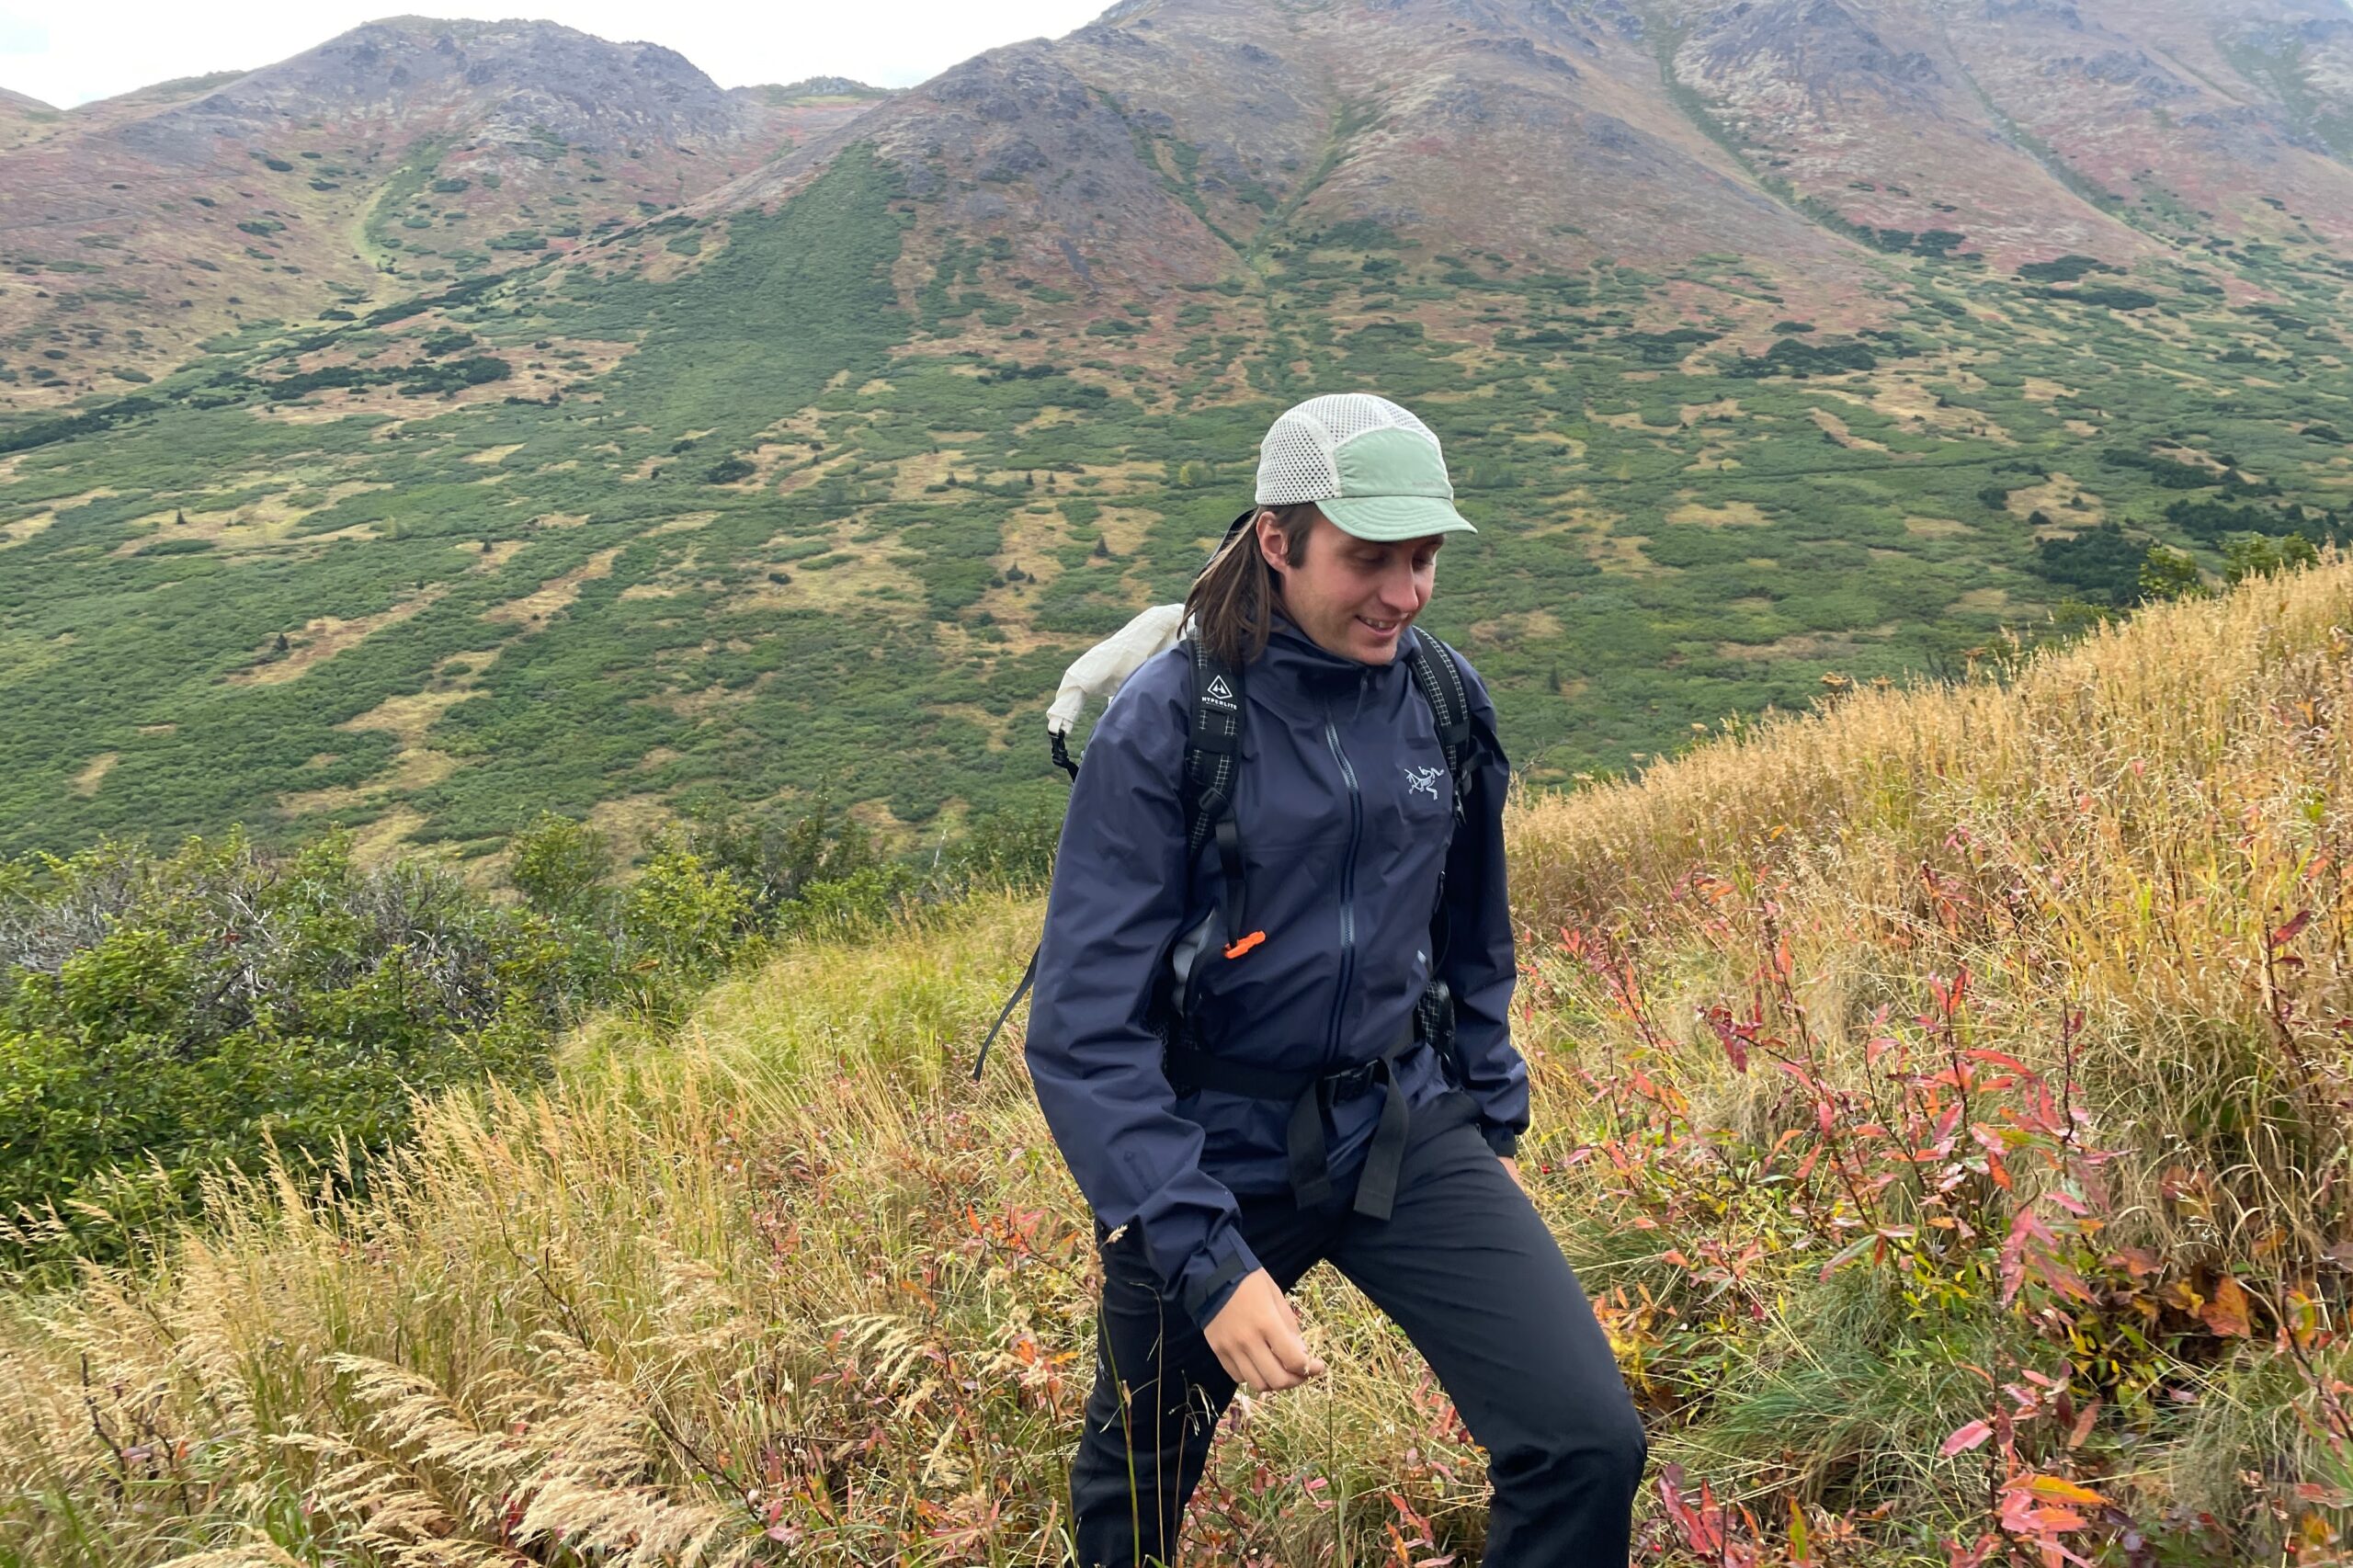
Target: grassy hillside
1943, 1097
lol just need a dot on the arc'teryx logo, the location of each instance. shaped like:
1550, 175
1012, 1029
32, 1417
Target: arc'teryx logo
1424, 780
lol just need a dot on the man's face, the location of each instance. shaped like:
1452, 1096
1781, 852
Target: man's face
1351, 596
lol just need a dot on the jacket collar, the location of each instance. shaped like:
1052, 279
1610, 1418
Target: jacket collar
1295, 661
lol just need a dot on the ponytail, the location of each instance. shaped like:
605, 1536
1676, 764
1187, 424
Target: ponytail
1232, 603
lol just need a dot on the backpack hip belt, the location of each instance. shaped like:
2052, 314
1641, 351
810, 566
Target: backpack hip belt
1309, 1095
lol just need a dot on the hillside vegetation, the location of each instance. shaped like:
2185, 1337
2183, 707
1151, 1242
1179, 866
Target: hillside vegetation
1944, 1097
1811, 339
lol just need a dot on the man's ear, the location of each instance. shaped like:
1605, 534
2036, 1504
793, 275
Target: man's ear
1272, 547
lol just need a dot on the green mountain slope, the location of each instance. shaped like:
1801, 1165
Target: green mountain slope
811, 487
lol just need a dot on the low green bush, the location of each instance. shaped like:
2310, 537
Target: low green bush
165, 1015
162, 1015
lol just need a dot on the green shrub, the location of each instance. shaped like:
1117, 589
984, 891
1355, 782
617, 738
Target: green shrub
2170, 574
2101, 565
173, 1013
1791, 357
559, 866
2104, 297
2254, 555
2064, 269
1012, 847
165, 1015
862, 902
683, 918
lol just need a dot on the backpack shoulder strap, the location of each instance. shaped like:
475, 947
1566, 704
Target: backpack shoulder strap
1208, 784
1448, 694
1439, 676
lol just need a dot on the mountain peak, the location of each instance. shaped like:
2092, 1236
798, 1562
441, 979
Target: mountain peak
552, 79
780, 94
393, 156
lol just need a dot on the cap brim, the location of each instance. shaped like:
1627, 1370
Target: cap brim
1391, 519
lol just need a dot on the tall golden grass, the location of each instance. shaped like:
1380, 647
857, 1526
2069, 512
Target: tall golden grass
790, 1289
2119, 830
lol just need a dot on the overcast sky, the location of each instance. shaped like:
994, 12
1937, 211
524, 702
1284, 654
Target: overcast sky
69, 51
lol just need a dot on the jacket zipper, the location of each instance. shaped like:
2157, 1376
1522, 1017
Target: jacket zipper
1347, 889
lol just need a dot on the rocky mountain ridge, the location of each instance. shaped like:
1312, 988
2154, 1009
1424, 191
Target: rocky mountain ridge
1172, 141
396, 155
1559, 131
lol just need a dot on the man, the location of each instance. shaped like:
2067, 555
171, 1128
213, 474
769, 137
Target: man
1241, 1031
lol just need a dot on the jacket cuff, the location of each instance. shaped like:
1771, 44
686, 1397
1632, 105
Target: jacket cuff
1504, 1140
1209, 1285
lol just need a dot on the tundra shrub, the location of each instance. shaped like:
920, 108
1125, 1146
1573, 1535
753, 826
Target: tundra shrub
163, 1014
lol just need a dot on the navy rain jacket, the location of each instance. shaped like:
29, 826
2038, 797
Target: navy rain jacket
1342, 804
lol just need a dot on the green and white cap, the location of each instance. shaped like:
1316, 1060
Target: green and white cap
1366, 463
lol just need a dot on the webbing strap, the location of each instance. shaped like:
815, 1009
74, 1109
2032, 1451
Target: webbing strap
1377, 1189
1212, 763
1309, 1163
1029, 978
1233, 896
1213, 745
1306, 1153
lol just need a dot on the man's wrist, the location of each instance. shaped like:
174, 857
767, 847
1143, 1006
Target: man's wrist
1205, 1295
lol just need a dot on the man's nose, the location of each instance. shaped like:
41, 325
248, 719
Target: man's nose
1400, 590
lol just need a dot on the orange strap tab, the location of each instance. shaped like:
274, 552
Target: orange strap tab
1243, 946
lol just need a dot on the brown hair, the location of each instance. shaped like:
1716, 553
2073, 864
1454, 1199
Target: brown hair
1232, 603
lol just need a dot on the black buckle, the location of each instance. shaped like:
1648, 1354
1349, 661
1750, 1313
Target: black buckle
1350, 1082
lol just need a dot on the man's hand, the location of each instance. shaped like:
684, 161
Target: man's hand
1256, 1335
1511, 1168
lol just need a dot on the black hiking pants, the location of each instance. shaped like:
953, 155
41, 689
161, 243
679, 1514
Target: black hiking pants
1466, 1268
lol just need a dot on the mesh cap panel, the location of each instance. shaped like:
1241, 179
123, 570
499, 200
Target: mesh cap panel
1298, 462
